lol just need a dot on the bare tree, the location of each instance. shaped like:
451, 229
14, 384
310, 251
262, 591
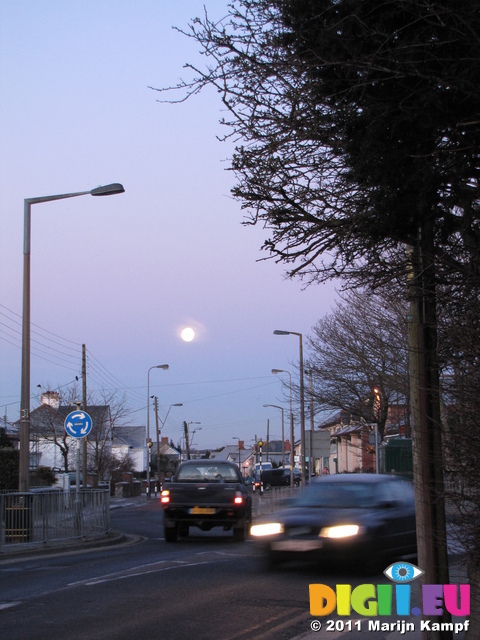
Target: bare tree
359, 355
357, 138
460, 358
108, 409
47, 423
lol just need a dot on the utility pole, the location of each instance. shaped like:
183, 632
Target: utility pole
187, 443
426, 419
155, 404
84, 407
311, 459
268, 435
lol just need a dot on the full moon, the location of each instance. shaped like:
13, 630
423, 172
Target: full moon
188, 334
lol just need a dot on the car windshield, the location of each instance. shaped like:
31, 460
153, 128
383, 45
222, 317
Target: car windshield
345, 495
207, 473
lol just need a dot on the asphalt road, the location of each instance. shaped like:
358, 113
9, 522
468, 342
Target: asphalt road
203, 588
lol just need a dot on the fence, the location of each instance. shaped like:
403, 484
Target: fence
51, 516
272, 499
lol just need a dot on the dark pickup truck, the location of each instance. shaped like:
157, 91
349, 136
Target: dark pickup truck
206, 494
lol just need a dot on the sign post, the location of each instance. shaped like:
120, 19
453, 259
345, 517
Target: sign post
78, 424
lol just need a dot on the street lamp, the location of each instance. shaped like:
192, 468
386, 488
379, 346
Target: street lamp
157, 366
107, 190
193, 434
277, 332
292, 434
276, 406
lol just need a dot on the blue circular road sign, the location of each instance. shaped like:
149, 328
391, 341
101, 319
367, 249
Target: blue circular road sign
78, 424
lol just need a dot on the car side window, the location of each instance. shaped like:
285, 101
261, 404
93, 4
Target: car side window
396, 491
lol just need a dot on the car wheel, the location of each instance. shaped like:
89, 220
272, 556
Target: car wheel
272, 560
171, 533
240, 534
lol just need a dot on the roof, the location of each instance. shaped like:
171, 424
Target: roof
354, 428
98, 413
133, 437
168, 451
230, 451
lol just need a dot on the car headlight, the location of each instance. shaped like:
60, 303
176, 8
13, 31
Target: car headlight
341, 531
267, 529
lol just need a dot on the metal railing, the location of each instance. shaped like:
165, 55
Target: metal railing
53, 516
273, 499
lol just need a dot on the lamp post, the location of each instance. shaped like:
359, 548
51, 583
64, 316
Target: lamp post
107, 190
276, 406
311, 459
277, 332
292, 434
157, 366
193, 434
376, 391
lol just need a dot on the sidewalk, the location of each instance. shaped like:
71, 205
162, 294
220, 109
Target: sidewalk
15, 551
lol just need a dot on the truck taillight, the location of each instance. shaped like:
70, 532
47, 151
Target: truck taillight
165, 497
238, 498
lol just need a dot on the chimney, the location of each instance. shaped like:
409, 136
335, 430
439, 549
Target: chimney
241, 444
51, 398
164, 440
287, 445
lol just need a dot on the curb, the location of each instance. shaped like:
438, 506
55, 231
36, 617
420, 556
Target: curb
75, 546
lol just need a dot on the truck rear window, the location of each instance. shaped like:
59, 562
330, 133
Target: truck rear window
207, 473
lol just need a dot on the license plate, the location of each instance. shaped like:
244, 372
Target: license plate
297, 545
202, 511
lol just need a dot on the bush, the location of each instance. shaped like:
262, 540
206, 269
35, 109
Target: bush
45, 476
9, 469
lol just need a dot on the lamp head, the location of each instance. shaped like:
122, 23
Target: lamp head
108, 190
278, 332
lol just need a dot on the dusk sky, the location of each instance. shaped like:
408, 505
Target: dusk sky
125, 274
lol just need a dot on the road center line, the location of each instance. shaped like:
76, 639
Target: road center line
138, 571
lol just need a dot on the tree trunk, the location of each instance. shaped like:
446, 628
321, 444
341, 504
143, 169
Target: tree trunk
473, 632
426, 423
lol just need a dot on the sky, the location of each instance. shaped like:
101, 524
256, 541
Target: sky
125, 274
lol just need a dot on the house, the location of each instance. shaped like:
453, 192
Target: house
239, 454
11, 432
352, 440
273, 451
51, 445
350, 450
130, 440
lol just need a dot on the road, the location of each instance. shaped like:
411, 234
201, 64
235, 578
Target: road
203, 588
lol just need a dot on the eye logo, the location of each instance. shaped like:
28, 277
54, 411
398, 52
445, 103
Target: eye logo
403, 572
